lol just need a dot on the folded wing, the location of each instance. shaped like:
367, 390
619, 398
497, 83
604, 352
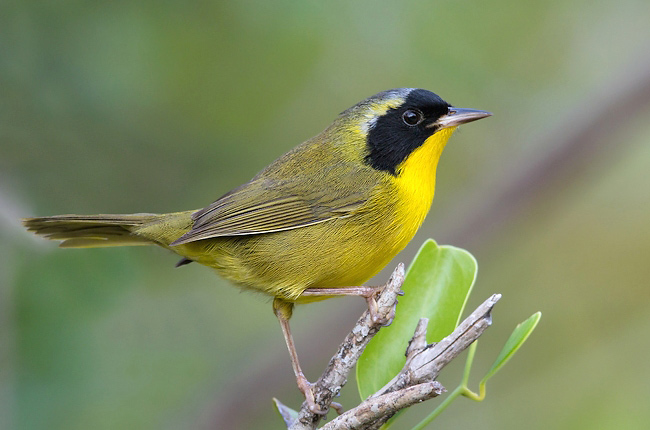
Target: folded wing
266, 205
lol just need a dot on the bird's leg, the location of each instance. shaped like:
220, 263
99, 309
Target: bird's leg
369, 293
283, 311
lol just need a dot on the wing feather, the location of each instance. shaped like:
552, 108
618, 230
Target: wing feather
265, 206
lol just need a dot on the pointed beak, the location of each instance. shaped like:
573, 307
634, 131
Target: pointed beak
457, 116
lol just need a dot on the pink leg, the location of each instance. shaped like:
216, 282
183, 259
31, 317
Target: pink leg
368, 293
283, 311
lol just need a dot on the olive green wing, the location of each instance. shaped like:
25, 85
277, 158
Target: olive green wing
267, 205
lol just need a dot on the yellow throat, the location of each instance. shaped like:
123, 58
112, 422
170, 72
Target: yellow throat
416, 181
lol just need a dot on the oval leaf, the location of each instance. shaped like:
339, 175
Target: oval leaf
514, 342
437, 285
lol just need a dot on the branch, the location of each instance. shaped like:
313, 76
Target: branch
385, 405
413, 384
335, 375
425, 361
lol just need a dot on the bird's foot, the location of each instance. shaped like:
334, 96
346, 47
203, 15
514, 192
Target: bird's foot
306, 388
377, 317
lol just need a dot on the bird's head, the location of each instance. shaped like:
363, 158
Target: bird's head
396, 122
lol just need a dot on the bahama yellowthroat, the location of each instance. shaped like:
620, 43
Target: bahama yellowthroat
317, 222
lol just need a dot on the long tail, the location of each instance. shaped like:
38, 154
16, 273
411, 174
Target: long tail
90, 231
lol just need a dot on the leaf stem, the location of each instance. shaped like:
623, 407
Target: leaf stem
461, 389
471, 351
441, 407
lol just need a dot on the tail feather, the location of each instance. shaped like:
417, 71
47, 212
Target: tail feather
90, 231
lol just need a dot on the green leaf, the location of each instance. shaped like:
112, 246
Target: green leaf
514, 342
288, 415
437, 285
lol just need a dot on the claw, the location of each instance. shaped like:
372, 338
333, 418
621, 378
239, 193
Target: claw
337, 407
373, 309
306, 389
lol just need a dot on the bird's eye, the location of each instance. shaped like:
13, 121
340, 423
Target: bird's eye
412, 117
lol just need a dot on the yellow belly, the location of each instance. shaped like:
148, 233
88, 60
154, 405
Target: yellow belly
338, 253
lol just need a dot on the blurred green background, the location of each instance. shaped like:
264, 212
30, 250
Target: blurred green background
157, 106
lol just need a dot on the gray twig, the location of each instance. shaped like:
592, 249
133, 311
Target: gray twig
335, 375
414, 383
424, 362
387, 404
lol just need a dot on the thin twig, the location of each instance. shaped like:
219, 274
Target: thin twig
335, 375
387, 404
424, 362
414, 383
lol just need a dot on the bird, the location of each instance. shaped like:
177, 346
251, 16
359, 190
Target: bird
316, 223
